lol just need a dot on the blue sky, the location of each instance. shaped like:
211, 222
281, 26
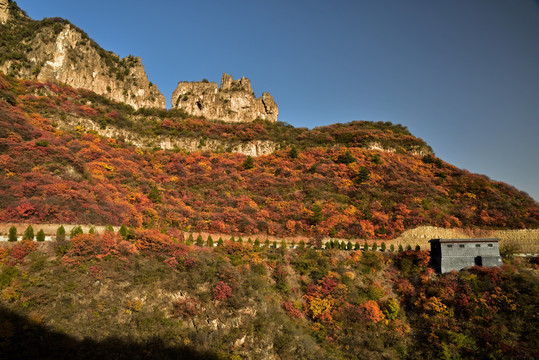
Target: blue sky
461, 74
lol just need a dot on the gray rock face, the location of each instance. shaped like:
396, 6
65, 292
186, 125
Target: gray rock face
234, 101
4, 11
70, 58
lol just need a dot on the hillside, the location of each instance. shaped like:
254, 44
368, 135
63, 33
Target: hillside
360, 180
152, 296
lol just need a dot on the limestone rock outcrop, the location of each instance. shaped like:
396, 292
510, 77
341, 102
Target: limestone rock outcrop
4, 11
233, 101
59, 51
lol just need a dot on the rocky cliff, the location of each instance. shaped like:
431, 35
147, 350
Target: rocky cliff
55, 50
234, 101
4, 11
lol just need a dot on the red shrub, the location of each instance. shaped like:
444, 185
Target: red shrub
221, 291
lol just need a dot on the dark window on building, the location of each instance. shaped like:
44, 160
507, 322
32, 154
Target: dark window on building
477, 245
490, 245
449, 245
461, 245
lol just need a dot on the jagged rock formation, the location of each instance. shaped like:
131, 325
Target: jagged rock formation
4, 11
55, 50
234, 101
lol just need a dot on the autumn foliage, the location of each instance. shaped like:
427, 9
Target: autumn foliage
48, 175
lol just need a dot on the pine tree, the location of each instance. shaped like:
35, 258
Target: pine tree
356, 246
342, 245
283, 244
109, 228
349, 246
363, 175
12, 234
123, 231
302, 245
240, 240
220, 242
200, 241
275, 244
77, 230
257, 244
400, 248
248, 163
408, 247
209, 242
417, 248
267, 243
232, 239
293, 153
374, 247
40, 235
383, 246
92, 230
392, 248
60, 233
365, 246
28, 233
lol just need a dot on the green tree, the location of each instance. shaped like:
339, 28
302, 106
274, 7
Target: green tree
155, 195
293, 153
275, 244
28, 233
232, 239
374, 246
357, 246
375, 159
383, 246
189, 240
92, 230
363, 175
349, 246
248, 163
123, 231
60, 233
317, 213
200, 241
365, 246
40, 235
400, 248
240, 239
267, 243
257, 244
77, 230
283, 244
12, 234
301, 245
109, 228
220, 242
347, 158
209, 241
392, 248
417, 248
408, 247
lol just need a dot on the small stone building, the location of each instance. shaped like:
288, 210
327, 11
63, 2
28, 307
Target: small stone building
457, 254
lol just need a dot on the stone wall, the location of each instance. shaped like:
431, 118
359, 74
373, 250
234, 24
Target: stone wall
234, 101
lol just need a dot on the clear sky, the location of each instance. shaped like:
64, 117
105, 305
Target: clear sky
461, 74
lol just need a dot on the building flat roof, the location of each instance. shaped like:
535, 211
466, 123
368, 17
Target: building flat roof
456, 241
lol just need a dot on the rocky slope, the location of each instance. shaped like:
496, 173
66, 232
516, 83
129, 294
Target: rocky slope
55, 50
234, 101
